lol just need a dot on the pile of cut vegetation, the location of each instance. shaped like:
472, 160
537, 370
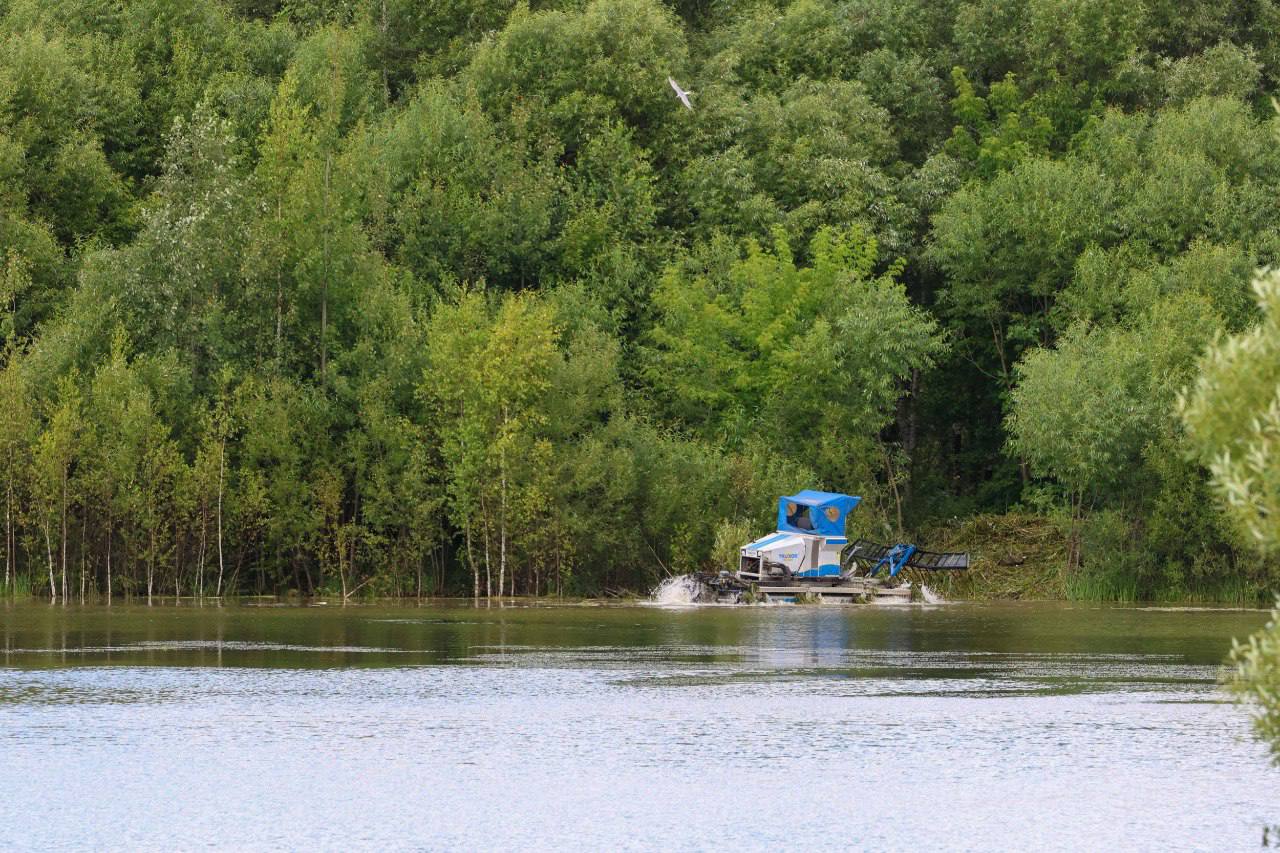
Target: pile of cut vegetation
1014, 556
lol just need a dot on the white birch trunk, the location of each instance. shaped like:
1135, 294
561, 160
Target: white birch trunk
222, 463
471, 558
151, 567
8, 532
63, 559
110, 531
48, 549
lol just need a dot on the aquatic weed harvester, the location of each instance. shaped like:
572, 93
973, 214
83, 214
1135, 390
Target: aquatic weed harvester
809, 558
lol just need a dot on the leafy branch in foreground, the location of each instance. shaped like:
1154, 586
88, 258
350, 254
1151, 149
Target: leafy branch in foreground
1257, 680
1233, 415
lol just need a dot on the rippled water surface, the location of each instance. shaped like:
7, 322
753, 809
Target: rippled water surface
966, 727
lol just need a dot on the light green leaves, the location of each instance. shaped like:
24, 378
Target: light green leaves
1232, 412
768, 348
1257, 679
1082, 412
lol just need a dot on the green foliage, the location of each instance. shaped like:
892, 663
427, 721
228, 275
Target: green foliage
809, 359
727, 545
1083, 40
1083, 411
569, 73
1224, 70
1015, 240
1233, 414
373, 297
464, 203
998, 131
1257, 680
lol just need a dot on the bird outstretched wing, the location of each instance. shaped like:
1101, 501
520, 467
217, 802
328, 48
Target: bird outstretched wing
680, 93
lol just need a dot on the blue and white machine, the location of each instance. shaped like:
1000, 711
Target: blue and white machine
808, 542
810, 554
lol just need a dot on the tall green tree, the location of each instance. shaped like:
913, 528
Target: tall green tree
486, 370
811, 360
56, 452
18, 426
1233, 414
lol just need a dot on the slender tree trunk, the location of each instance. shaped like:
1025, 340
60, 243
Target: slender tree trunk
204, 534
222, 462
63, 559
8, 535
177, 563
48, 549
151, 565
324, 284
342, 573
907, 430
110, 537
438, 580
502, 512
433, 585
235, 575
279, 290
355, 514
891, 474
84, 523
488, 576
471, 558
997, 338
488, 573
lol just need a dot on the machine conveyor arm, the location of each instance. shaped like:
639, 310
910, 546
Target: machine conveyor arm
874, 556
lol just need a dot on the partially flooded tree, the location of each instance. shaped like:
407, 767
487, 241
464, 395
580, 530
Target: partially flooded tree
487, 369
18, 428
56, 451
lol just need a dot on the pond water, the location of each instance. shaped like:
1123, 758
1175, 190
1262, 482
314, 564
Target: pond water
962, 726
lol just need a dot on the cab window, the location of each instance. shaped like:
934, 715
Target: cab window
798, 517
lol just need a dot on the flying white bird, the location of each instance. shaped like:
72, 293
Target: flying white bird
681, 93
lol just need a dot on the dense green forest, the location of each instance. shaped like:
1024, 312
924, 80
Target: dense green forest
391, 297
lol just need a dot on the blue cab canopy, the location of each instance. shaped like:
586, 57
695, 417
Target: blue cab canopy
820, 513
